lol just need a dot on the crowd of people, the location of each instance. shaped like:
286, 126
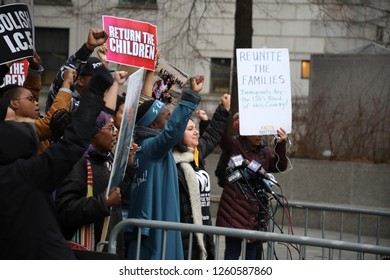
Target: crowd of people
55, 167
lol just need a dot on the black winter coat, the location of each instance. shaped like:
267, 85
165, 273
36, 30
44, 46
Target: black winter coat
207, 143
29, 227
76, 210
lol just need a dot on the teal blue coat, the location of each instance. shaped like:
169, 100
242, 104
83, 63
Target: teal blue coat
155, 189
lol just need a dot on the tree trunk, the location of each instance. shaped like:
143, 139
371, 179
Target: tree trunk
242, 39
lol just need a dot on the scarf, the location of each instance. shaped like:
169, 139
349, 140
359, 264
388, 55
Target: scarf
84, 237
184, 160
142, 132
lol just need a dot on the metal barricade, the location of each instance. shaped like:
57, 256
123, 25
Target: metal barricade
268, 237
333, 219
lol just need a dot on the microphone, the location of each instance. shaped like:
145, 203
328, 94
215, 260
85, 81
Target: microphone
236, 171
255, 169
234, 176
243, 164
235, 160
236, 168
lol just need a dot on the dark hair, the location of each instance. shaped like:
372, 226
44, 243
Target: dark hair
142, 109
119, 102
10, 91
180, 146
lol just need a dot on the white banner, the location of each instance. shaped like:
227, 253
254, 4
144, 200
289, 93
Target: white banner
122, 149
264, 91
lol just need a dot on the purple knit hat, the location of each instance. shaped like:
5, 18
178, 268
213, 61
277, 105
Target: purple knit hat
101, 121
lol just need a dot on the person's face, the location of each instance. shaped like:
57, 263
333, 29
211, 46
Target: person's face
118, 116
254, 140
25, 105
105, 139
191, 135
162, 118
82, 83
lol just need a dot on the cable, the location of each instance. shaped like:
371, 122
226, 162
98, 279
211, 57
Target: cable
289, 145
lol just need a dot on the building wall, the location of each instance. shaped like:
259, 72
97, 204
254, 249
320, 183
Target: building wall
276, 24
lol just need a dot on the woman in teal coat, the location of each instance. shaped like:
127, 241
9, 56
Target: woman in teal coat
155, 190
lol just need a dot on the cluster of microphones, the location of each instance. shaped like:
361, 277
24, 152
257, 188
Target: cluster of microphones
242, 171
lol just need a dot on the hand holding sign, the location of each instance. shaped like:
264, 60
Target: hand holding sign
102, 52
35, 61
281, 136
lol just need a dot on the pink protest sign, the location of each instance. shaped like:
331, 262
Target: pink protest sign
130, 42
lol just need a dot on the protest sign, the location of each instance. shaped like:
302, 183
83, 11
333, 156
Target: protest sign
130, 42
264, 91
122, 149
17, 73
168, 82
16, 41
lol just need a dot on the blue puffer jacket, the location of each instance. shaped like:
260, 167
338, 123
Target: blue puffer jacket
155, 190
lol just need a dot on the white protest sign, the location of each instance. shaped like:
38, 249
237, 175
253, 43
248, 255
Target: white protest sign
264, 91
122, 149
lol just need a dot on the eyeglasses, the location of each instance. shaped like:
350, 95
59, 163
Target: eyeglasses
31, 98
111, 128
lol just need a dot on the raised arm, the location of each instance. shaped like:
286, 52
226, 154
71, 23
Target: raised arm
96, 37
62, 101
110, 97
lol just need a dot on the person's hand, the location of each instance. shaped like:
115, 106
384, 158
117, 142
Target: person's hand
281, 136
197, 83
114, 198
225, 101
69, 77
201, 114
133, 149
102, 52
120, 77
157, 56
35, 61
96, 37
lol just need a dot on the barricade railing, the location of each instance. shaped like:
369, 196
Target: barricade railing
376, 218
269, 237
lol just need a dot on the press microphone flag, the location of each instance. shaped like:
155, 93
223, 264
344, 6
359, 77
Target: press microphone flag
235, 167
235, 161
268, 180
